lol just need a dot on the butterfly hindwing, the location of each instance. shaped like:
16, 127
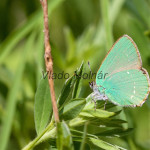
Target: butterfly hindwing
127, 88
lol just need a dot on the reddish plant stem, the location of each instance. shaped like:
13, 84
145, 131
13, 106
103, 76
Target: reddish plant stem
48, 59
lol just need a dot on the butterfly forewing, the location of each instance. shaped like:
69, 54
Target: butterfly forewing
122, 56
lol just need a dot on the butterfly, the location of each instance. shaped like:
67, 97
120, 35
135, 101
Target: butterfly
121, 78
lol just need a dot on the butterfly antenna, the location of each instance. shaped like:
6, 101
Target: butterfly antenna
90, 67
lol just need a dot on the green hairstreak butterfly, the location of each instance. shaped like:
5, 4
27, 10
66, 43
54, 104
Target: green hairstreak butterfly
121, 78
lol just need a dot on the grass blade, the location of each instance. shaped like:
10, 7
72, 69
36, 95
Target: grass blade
107, 23
12, 98
84, 137
22, 31
70, 42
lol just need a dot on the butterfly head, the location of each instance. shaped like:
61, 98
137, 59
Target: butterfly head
92, 84
95, 87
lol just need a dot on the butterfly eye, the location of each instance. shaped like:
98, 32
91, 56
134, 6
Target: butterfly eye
91, 85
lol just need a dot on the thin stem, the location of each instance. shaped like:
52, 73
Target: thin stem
49, 128
35, 141
84, 137
49, 60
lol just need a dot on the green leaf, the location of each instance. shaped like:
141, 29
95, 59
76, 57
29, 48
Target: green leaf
72, 109
102, 122
64, 139
79, 134
96, 113
52, 148
115, 132
43, 106
71, 84
39, 57
78, 121
107, 122
65, 92
77, 85
102, 144
76, 133
12, 96
100, 104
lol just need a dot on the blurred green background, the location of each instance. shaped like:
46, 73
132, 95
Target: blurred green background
79, 30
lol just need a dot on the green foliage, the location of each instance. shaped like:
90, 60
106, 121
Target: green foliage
12, 97
43, 106
76, 112
82, 32
97, 143
77, 86
64, 139
72, 109
65, 92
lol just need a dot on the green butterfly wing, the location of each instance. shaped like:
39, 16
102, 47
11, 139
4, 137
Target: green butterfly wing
128, 87
121, 74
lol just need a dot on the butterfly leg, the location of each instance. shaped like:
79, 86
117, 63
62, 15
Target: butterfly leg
105, 98
105, 104
93, 100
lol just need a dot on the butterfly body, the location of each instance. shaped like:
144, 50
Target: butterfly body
121, 78
97, 93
